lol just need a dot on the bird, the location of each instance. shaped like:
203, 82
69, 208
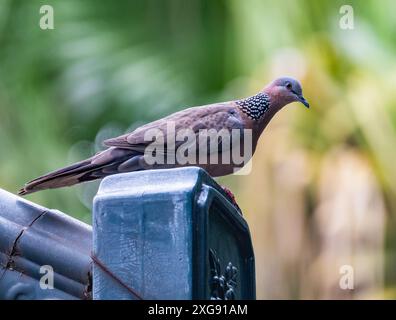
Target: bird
126, 153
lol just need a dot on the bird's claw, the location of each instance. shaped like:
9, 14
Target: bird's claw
231, 197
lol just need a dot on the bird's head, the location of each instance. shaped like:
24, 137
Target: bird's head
286, 90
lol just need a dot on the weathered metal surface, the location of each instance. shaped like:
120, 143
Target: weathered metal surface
32, 236
155, 230
164, 234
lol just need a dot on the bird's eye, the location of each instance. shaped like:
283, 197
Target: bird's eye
288, 85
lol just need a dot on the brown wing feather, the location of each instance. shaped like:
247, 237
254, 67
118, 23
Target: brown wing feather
217, 116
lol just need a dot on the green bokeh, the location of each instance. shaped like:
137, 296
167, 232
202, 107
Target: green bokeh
109, 66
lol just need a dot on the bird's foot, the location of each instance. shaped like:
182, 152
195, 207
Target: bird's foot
231, 197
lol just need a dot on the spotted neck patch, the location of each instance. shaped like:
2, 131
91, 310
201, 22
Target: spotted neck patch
255, 106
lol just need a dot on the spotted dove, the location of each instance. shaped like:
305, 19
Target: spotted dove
127, 152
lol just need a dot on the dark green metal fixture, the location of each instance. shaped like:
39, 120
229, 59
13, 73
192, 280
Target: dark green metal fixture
169, 234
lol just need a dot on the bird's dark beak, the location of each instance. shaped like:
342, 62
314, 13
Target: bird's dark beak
303, 101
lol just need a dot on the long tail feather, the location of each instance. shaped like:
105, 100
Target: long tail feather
97, 167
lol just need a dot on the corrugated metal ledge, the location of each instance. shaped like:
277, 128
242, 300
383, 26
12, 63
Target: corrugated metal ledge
32, 236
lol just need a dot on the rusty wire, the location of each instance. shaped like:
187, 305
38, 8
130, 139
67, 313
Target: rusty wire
106, 270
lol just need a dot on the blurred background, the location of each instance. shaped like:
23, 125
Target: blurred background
322, 192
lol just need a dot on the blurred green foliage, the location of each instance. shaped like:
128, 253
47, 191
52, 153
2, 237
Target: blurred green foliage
109, 66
